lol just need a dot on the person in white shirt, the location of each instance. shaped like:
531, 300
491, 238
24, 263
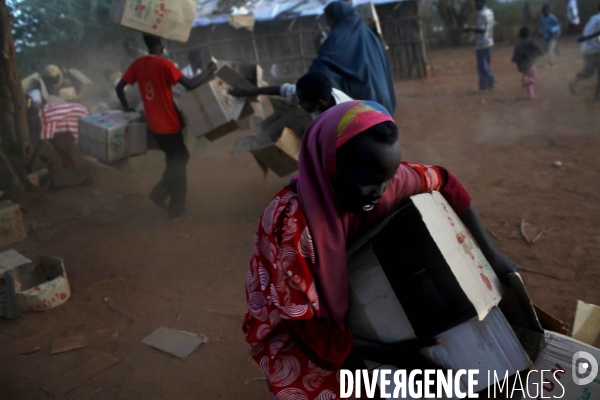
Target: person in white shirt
196, 61
313, 92
590, 50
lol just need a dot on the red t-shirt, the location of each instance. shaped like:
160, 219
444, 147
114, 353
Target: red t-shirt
155, 76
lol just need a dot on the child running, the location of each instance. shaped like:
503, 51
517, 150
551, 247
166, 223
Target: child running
525, 56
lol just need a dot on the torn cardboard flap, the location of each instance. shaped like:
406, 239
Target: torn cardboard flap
12, 226
178, 343
279, 152
470, 267
407, 250
586, 327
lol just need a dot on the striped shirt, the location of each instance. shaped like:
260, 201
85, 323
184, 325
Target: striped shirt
61, 118
486, 22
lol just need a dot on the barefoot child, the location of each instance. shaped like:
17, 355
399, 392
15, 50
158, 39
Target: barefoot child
525, 55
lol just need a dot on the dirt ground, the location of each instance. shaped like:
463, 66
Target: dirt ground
132, 270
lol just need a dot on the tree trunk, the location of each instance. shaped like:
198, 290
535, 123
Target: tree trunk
15, 104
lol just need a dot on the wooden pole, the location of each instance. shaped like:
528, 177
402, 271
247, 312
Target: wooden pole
10, 77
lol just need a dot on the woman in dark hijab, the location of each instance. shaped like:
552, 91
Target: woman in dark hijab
354, 58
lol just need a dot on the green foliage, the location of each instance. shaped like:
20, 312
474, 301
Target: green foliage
61, 31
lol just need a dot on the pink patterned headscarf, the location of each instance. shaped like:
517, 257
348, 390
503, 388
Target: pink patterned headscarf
331, 227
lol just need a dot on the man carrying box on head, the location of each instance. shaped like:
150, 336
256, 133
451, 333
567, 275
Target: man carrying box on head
156, 77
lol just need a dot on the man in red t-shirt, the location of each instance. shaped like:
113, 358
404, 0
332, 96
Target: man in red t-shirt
155, 76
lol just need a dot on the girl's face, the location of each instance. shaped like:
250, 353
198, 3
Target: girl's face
365, 168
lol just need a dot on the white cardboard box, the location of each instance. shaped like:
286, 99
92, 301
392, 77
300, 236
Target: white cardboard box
43, 286
12, 227
31, 287
556, 352
106, 135
210, 111
485, 341
439, 275
168, 19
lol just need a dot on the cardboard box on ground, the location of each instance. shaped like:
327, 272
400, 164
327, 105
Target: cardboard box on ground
170, 20
276, 144
210, 111
421, 274
112, 136
32, 287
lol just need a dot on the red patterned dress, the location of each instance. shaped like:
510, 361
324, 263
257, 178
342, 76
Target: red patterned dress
301, 361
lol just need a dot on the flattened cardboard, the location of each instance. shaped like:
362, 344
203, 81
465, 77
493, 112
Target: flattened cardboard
178, 343
10, 259
12, 227
86, 371
170, 20
79, 341
23, 346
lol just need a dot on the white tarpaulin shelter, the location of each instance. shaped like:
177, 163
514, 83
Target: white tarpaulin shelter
265, 10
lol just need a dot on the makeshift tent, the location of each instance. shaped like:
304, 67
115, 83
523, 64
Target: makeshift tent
282, 41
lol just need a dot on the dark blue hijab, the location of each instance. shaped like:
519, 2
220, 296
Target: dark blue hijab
354, 58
